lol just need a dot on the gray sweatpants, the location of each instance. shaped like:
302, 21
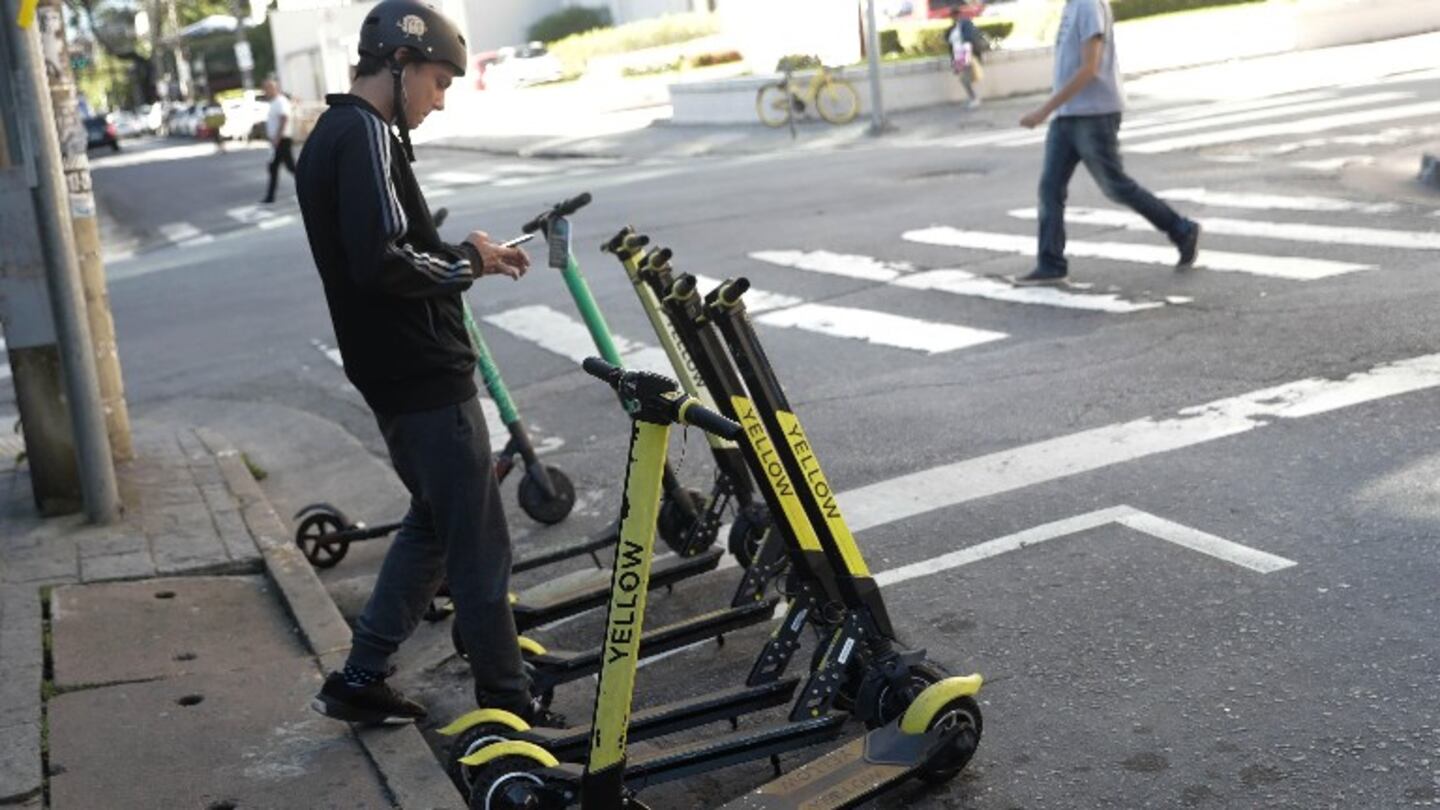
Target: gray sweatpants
455, 529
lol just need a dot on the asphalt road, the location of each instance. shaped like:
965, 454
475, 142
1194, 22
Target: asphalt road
1258, 629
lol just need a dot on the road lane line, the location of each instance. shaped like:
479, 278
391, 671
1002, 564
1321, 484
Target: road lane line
959, 482
1285, 231
1160, 528
1287, 267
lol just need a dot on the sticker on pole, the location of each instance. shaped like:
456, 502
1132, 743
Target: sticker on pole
26, 17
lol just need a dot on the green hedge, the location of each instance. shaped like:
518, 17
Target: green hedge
577, 50
569, 21
1131, 9
928, 38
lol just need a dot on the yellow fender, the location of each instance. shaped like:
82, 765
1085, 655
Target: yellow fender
475, 718
917, 718
513, 748
529, 646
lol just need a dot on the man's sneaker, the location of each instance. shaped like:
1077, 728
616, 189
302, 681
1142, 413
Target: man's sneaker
1037, 277
374, 704
540, 716
1189, 246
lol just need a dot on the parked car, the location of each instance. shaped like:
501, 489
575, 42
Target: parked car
99, 131
128, 124
183, 121
152, 117
245, 116
517, 67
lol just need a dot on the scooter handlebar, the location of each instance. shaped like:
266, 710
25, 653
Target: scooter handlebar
564, 209
687, 409
601, 370
693, 413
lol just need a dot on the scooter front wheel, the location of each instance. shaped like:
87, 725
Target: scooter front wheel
746, 533
542, 509
961, 724
310, 534
673, 524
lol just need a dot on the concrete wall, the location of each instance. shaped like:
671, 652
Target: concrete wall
908, 85
1145, 45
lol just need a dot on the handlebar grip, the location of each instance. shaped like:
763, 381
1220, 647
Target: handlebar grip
564, 209
602, 370
573, 204
693, 413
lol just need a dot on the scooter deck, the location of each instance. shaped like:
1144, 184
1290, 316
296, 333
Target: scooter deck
847, 777
572, 744
594, 590
560, 666
704, 756
599, 542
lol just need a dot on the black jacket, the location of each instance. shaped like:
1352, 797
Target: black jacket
393, 287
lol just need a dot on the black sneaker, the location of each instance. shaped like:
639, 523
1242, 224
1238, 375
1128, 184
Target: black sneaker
1189, 246
1039, 277
374, 704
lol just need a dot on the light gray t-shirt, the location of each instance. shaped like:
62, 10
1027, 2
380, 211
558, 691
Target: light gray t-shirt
1082, 21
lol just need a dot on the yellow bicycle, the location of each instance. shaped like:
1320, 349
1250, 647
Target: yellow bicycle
827, 93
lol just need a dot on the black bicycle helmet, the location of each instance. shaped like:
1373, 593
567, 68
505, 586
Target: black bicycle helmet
394, 24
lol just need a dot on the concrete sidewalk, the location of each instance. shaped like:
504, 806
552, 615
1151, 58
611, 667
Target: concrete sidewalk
169, 661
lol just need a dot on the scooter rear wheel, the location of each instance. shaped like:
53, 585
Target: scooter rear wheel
471, 740
961, 722
507, 783
316, 525
542, 509
891, 700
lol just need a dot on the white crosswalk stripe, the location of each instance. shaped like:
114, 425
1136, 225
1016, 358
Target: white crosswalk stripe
1299, 126
1266, 202
948, 280
568, 337
183, 234
1286, 267
1287, 231
493, 423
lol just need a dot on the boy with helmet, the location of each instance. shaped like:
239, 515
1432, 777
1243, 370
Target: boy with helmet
394, 292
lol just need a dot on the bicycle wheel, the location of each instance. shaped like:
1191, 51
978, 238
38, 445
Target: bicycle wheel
772, 103
837, 101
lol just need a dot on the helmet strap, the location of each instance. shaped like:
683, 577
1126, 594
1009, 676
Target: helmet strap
397, 72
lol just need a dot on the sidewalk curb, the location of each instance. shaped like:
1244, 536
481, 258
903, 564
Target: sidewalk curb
400, 754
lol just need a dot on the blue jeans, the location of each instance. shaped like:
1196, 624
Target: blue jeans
1092, 140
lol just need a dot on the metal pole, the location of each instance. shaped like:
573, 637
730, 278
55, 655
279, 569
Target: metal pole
878, 124
86, 225
242, 43
67, 297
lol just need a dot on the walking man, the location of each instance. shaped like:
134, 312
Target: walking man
1087, 103
394, 291
280, 129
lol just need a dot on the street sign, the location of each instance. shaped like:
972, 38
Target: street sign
244, 59
26, 17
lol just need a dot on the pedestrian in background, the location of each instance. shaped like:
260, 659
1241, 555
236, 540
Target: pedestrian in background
966, 46
1087, 102
280, 129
